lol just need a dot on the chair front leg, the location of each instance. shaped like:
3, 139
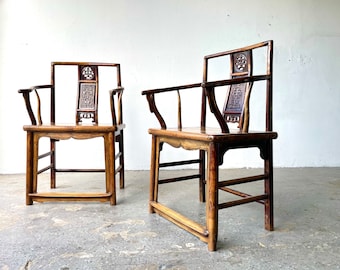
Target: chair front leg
202, 176
109, 145
268, 188
53, 163
29, 168
121, 161
154, 171
212, 200
35, 160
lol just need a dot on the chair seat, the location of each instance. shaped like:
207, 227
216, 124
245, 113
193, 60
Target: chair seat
213, 134
83, 128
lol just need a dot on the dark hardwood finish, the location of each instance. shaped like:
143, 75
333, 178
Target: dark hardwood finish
85, 126
213, 143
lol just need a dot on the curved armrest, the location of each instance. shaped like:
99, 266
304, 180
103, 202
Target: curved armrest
28, 90
116, 90
150, 96
119, 114
209, 89
245, 79
26, 94
172, 88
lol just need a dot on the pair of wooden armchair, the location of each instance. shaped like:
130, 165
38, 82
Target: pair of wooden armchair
210, 142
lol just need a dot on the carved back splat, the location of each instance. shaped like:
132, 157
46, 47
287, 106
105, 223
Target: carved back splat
236, 107
87, 100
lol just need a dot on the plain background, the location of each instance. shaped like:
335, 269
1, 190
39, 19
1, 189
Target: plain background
162, 43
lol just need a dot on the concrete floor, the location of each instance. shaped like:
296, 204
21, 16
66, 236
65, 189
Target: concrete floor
99, 236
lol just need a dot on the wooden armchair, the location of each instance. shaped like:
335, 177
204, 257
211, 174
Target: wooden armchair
214, 142
85, 126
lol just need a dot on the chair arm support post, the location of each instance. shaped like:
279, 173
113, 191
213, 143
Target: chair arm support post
117, 118
246, 113
152, 104
210, 93
26, 96
39, 107
153, 109
179, 120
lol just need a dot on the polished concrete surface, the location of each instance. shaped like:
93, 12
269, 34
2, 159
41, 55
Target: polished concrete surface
99, 236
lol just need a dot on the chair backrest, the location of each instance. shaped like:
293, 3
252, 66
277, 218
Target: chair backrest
236, 105
88, 85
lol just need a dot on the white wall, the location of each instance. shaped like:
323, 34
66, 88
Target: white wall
162, 43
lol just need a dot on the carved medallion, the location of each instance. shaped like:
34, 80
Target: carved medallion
240, 62
88, 73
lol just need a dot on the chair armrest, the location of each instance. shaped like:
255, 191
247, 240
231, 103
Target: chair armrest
28, 90
209, 88
116, 90
236, 81
150, 96
26, 94
172, 88
117, 116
